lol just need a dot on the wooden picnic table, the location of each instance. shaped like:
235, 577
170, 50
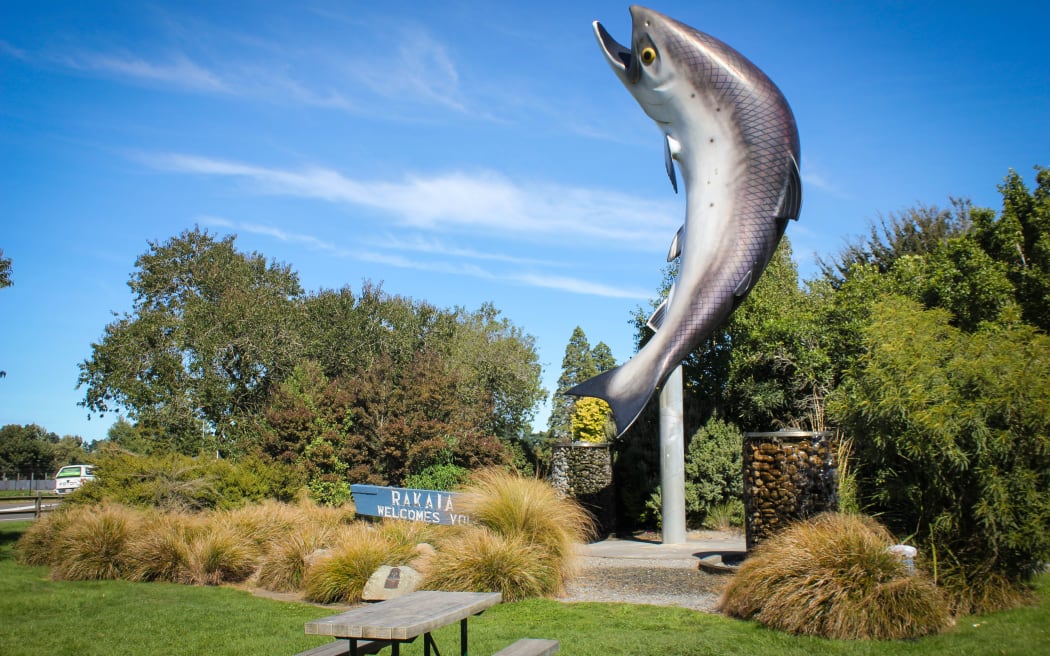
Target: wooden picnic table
406, 618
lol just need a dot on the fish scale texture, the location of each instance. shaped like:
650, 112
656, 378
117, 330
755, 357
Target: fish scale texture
768, 132
764, 193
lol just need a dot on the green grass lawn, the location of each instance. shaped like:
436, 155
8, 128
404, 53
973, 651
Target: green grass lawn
40, 616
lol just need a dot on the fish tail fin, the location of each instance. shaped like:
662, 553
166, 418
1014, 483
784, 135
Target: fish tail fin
623, 389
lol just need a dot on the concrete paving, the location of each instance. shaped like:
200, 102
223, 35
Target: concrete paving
699, 544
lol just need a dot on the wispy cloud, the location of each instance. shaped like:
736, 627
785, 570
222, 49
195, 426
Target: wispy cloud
813, 176
457, 200
577, 286
177, 70
417, 69
458, 265
9, 50
421, 69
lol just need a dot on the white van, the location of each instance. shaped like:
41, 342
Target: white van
71, 477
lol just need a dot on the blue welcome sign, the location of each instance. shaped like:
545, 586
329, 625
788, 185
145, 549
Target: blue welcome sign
430, 506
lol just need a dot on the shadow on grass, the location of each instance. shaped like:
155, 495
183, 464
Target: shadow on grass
9, 534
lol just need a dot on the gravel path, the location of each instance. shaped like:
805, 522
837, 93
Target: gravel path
639, 581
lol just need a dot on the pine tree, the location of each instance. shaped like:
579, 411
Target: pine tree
577, 366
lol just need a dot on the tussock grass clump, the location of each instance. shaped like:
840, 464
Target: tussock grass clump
159, 550
220, 555
93, 543
283, 566
38, 545
404, 536
833, 577
531, 511
477, 559
341, 574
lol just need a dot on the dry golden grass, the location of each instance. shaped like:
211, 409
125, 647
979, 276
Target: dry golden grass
262, 523
159, 551
92, 544
340, 574
283, 566
529, 510
220, 555
38, 544
833, 577
477, 559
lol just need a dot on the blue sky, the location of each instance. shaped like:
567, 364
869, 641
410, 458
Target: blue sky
458, 152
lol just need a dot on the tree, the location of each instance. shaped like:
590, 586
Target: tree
129, 437
579, 363
32, 449
5, 270
25, 449
576, 366
1020, 241
497, 364
779, 372
212, 330
951, 430
914, 232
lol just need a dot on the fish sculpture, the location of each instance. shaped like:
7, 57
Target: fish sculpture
734, 138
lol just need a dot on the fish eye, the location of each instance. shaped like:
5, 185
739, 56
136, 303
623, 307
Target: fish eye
648, 56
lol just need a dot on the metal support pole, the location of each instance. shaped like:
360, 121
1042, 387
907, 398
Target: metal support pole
672, 460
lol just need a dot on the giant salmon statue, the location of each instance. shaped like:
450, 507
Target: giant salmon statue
735, 140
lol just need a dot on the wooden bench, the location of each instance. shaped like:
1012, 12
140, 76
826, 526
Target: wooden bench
342, 648
530, 647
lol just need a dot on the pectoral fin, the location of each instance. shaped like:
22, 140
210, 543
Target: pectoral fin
656, 319
669, 146
791, 196
676, 245
744, 285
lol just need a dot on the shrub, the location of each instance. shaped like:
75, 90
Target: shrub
531, 511
441, 476
341, 574
92, 544
180, 483
713, 464
951, 433
833, 577
476, 559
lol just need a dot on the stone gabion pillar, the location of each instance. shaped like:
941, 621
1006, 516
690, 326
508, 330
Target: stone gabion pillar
584, 471
788, 476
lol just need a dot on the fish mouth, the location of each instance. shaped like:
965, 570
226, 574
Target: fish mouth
620, 57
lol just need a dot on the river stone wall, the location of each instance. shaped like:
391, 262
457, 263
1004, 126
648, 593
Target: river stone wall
788, 476
583, 471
